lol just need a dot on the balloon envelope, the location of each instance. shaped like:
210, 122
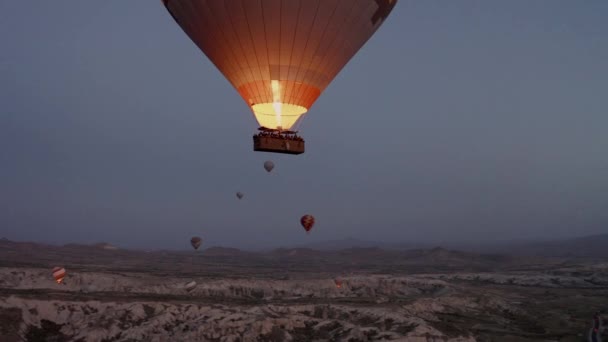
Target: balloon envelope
268, 165
307, 221
338, 282
58, 274
196, 242
280, 55
190, 286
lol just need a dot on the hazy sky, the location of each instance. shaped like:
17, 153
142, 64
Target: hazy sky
459, 120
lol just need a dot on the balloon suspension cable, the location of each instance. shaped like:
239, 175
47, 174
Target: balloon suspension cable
296, 125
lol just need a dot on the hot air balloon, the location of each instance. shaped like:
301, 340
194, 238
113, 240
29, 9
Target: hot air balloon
338, 282
280, 55
268, 165
239, 195
58, 274
196, 242
190, 286
307, 222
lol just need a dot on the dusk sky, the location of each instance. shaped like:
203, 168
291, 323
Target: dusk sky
458, 121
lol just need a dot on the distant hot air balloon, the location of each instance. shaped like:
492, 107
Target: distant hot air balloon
196, 242
58, 274
307, 222
190, 286
268, 165
280, 55
239, 195
338, 282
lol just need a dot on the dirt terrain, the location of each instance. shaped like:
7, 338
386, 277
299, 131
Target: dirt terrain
289, 295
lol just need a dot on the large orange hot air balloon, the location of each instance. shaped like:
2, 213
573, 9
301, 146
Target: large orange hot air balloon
58, 274
280, 55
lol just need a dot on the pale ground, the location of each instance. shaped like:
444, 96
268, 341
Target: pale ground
544, 301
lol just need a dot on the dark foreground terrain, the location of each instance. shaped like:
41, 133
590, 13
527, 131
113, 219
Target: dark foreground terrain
289, 295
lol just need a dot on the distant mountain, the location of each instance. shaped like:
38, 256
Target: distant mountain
100, 245
295, 252
223, 251
356, 243
340, 244
106, 246
216, 259
338, 253
594, 246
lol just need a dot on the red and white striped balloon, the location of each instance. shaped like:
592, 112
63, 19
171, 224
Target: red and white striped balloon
58, 274
307, 221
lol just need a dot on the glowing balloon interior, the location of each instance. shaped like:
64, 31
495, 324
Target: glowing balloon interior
280, 55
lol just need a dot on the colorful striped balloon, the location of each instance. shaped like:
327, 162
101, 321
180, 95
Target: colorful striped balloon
58, 274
